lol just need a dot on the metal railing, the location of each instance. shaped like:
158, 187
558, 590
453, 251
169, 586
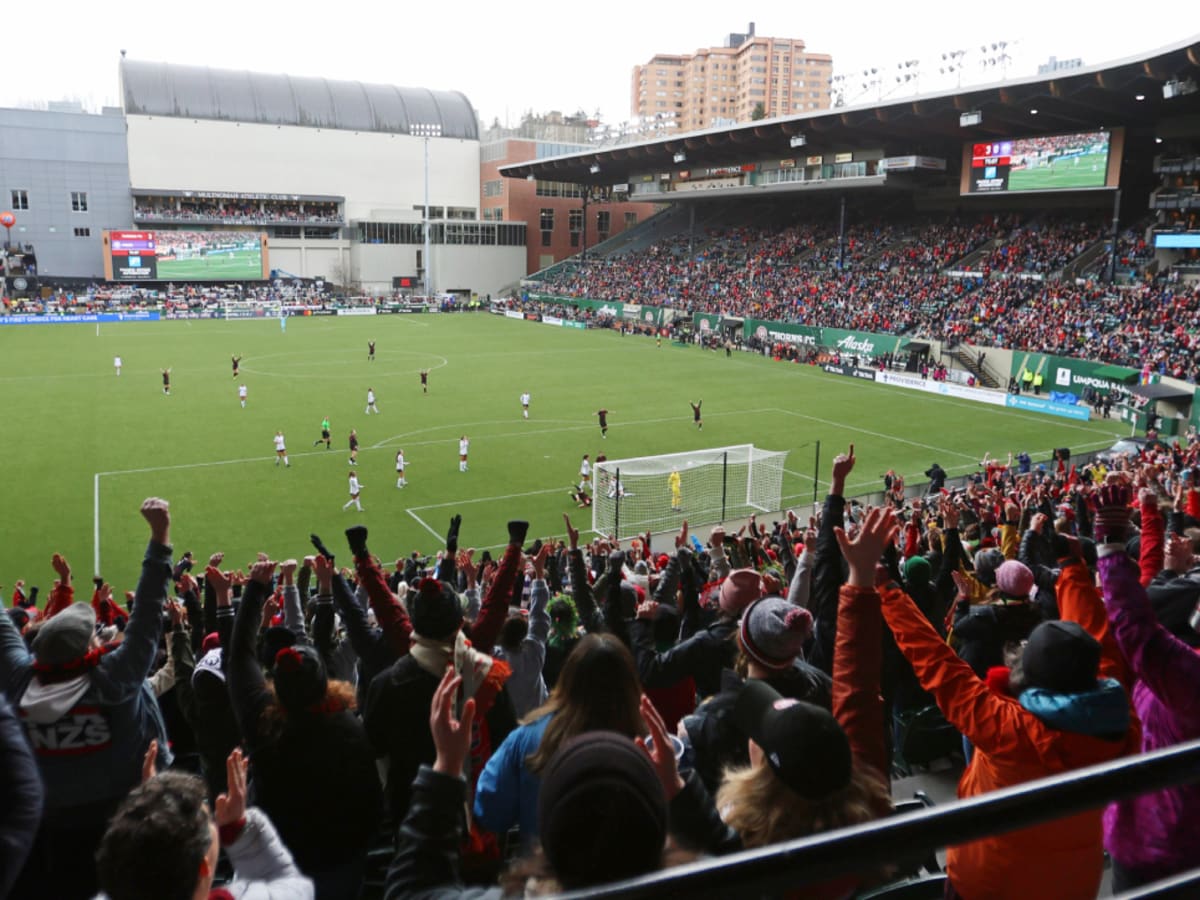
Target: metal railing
783, 868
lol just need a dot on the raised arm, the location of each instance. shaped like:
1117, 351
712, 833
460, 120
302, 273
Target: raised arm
389, 611
128, 665
828, 574
247, 685
494, 609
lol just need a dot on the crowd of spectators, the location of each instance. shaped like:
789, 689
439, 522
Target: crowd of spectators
895, 281
605, 711
234, 211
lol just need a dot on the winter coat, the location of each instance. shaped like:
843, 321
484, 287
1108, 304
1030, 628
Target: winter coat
1013, 746
525, 686
89, 733
20, 797
506, 794
981, 631
315, 769
1156, 834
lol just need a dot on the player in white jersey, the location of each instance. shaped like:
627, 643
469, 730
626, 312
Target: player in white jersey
400, 480
242, 394
525, 404
371, 407
117, 365
355, 490
281, 450
463, 446
585, 473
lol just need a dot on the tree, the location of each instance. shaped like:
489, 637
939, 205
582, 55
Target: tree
760, 112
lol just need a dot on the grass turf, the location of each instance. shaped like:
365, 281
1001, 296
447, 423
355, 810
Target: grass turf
77, 433
1062, 174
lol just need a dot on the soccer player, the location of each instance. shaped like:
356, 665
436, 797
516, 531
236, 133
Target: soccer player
237, 361
585, 472
166, 375
117, 365
355, 490
696, 414
370, 351
400, 480
324, 434
242, 394
424, 381
525, 404
371, 407
603, 416
581, 498
676, 492
463, 446
283, 322
281, 450
353, 446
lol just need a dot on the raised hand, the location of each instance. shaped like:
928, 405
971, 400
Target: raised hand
572, 533
716, 537
62, 567
263, 571
863, 551
843, 465
451, 737
150, 761
1112, 509
215, 559
681, 539
157, 513
231, 806
662, 753
539, 561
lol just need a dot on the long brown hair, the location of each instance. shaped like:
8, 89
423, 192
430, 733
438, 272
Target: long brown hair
274, 719
756, 804
597, 690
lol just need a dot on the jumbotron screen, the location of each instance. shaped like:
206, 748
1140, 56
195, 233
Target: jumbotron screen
1059, 162
185, 256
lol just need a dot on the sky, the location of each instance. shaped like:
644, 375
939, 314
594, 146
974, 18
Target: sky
512, 57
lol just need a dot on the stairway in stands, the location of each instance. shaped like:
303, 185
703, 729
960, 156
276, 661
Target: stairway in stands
969, 360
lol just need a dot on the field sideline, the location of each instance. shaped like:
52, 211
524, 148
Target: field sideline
84, 447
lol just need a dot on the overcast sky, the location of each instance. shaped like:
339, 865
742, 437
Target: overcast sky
509, 57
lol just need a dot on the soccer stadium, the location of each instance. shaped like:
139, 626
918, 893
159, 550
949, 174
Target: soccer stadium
832, 531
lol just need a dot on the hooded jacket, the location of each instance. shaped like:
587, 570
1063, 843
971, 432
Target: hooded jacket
1012, 746
1157, 834
89, 733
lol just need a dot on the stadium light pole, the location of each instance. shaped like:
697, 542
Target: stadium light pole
427, 130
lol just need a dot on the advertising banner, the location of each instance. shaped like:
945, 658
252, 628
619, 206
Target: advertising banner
1045, 405
862, 343
514, 314
850, 371
84, 318
357, 311
943, 388
781, 332
706, 322
1072, 375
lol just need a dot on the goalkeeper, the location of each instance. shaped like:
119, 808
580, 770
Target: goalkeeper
673, 481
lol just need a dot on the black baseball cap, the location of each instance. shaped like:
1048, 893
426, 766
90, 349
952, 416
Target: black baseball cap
803, 744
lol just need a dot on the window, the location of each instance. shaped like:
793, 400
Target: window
630, 219
546, 235
546, 219
83, 232
575, 220
603, 222
574, 238
20, 199
78, 201
493, 188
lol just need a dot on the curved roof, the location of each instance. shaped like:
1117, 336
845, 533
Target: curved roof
198, 92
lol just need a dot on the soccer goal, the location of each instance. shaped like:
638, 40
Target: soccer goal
705, 487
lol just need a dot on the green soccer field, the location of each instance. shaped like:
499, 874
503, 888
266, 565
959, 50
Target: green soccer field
1090, 171
240, 265
84, 447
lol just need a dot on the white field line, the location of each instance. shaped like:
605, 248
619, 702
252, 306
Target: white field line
423, 523
96, 524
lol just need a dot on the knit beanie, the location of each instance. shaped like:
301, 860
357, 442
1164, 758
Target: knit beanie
1061, 657
65, 637
300, 679
274, 639
602, 811
773, 631
916, 570
986, 563
1014, 579
564, 620
435, 610
741, 588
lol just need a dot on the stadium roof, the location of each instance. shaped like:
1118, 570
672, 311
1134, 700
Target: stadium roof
1083, 99
198, 92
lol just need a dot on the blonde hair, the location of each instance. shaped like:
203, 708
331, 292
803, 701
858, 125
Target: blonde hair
763, 810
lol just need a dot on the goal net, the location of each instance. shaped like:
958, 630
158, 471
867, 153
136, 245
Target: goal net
705, 487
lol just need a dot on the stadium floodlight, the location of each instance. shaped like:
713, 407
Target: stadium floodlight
798, 140
968, 119
680, 156
636, 495
594, 168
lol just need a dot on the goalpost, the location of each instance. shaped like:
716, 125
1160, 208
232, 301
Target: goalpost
642, 494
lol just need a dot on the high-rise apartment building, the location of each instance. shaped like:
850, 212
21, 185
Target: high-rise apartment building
720, 85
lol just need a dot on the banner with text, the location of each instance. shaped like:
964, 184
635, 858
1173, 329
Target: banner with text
781, 333
83, 318
1071, 375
